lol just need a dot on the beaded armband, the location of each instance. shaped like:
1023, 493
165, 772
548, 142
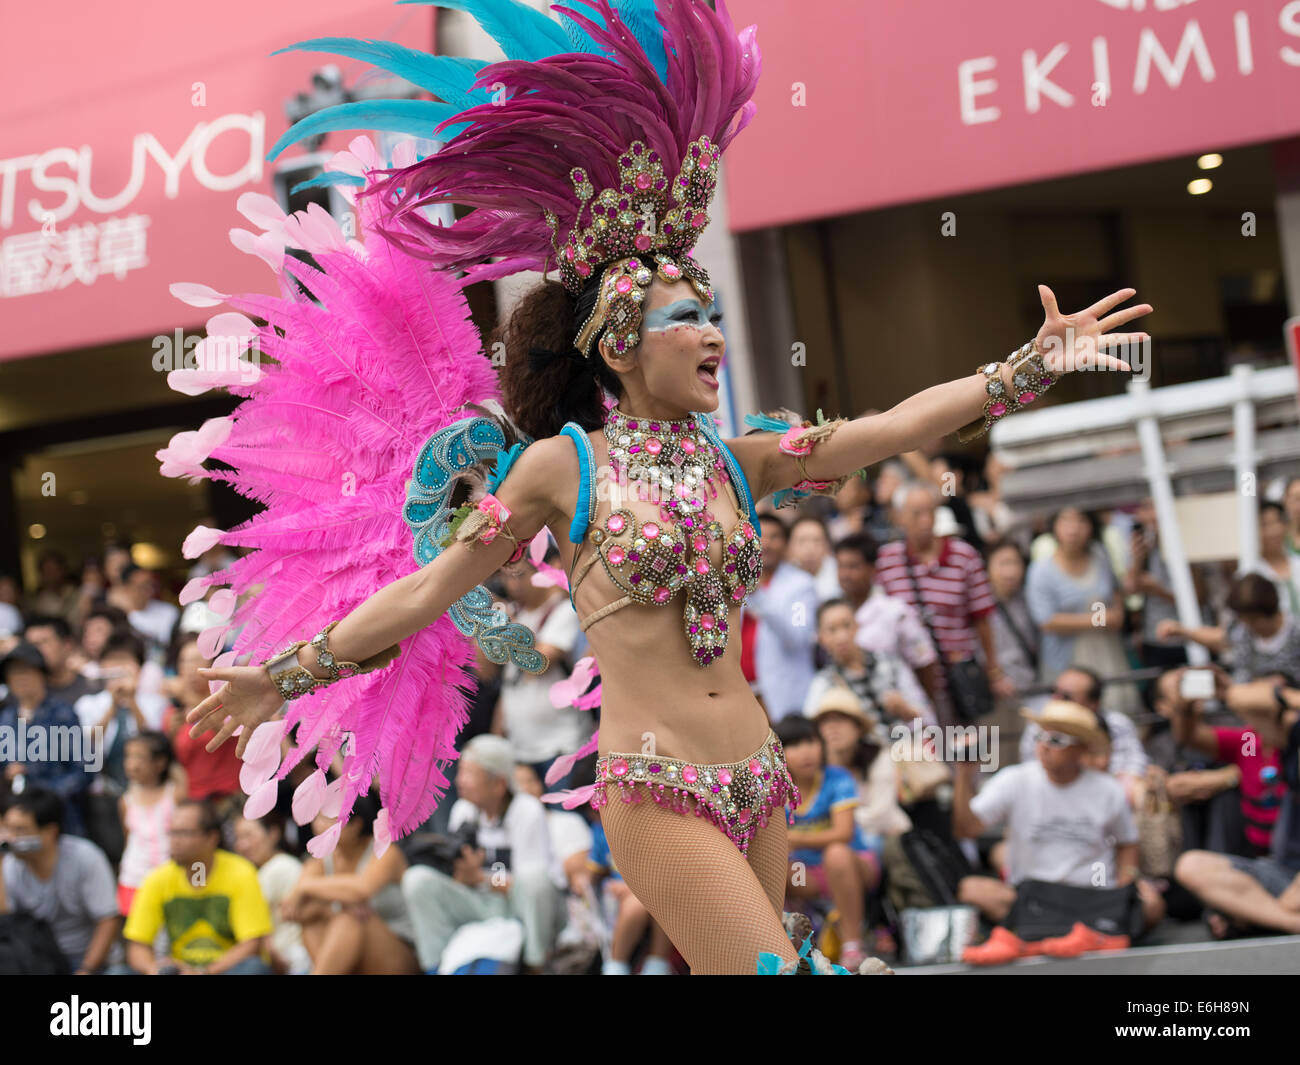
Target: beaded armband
295, 681
483, 522
1029, 380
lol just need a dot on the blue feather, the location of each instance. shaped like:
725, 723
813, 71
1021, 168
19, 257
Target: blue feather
766, 422
329, 177
447, 77
521, 31
504, 460
640, 18
416, 117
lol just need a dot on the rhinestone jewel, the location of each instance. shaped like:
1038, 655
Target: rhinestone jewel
677, 464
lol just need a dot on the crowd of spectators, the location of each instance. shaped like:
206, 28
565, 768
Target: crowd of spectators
1105, 783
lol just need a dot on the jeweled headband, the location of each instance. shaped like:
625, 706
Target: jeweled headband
647, 224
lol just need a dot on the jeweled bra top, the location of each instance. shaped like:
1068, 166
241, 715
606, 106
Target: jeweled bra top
653, 559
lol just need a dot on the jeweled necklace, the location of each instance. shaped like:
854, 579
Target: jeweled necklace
674, 462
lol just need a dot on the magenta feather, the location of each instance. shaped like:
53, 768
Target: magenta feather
504, 161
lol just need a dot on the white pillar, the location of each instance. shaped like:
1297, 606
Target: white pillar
1244, 459
1171, 537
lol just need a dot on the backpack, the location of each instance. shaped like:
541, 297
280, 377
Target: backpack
28, 947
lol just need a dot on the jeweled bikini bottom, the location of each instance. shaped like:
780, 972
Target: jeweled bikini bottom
737, 797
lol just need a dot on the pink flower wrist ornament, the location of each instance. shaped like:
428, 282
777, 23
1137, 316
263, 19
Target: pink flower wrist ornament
1030, 378
798, 442
483, 522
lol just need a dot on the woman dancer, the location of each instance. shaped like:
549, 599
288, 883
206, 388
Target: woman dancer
613, 368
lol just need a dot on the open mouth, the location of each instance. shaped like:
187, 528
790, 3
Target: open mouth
708, 372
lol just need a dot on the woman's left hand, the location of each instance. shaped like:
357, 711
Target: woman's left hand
1076, 341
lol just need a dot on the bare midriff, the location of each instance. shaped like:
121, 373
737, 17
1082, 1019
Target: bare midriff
654, 696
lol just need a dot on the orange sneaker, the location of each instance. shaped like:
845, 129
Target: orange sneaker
1082, 940
1000, 947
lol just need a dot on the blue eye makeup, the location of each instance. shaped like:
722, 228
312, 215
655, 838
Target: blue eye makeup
683, 312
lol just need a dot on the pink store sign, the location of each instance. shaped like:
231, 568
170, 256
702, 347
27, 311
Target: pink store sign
867, 103
127, 132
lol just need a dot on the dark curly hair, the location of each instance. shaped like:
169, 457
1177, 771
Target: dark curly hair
542, 393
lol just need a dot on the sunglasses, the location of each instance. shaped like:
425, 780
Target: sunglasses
1057, 740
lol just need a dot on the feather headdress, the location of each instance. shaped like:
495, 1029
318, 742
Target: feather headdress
600, 161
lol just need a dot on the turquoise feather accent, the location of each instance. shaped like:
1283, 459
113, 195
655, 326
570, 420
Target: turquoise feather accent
766, 422
521, 31
327, 178
504, 460
416, 117
448, 77
428, 514
770, 964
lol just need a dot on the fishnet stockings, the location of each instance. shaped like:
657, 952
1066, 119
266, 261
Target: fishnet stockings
719, 909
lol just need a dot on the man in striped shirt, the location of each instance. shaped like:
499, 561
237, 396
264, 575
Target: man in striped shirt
955, 593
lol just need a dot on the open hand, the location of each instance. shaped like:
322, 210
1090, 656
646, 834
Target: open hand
1075, 341
249, 697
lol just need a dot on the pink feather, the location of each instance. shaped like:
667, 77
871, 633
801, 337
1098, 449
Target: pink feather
262, 801
325, 439
572, 798
560, 768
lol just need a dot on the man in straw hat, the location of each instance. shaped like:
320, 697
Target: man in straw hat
1066, 823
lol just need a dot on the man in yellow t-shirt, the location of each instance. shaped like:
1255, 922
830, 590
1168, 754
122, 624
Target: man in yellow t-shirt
208, 899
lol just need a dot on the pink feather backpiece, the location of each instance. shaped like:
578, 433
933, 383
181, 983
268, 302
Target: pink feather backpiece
339, 395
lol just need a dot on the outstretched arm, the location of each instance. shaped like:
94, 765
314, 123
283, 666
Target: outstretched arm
1067, 342
404, 606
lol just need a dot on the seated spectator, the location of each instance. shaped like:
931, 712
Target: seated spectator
831, 858
631, 921
350, 905
53, 750
52, 636
1259, 892
211, 775
810, 550
569, 832
1127, 760
856, 742
59, 879
885, 624
278, 872
1196, 780
146, 809
883, 683
216, 922
1066, 823
510, 872
1262, 640
1259, 765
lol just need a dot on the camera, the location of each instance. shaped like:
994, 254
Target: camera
440, 850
